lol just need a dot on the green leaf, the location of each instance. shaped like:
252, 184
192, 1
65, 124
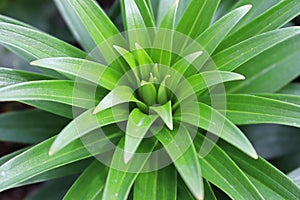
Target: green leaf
181, 66
203, 81
75, 25
293, 99
134, 24
162, 7
9, 156
146, 11
54, 90
36, 160
22, 54
130, 59
59, 109
148, 93
267, 175
219, 169
9, 20
119, 95
183, 192
258, 8
197, 17
271, 70
142, 55
60, 172
12, 76
29, 126
14, 21
28, 57
90, 183
144, 61
163, 43
137, 126
214, 35
235, 56
169, 19
165, 113
272, 19
249, 109
224, 8
86, 123
163, 92
121, 176
180, 148
97, 73
94, 19
159, 184
36, 43
104, 33
216, 123
208, 191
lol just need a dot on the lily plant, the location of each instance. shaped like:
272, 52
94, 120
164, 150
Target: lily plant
152, 110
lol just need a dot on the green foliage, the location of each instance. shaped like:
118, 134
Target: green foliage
182, 68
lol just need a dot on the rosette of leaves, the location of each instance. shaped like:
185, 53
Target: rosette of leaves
242, 40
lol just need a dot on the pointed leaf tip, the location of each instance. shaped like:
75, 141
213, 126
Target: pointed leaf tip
53, 149
50, 153
165, 112
127, 157
242, 77
197, 53
254, 155
200, 197
137, 46
170, 126
96, 110
118, 48
247, 7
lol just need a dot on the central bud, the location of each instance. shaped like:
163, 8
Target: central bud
152, 89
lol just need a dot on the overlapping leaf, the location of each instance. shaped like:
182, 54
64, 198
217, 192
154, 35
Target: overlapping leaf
88, 70
84, 124
269, 181
214, 122
235, 56
183, 154
50, 90
197, 17
273, 18
137, 126
63, 171
156, 185
36, 160
277, 66
251, 109
219, 169
90, 183
36, 43
121, 176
